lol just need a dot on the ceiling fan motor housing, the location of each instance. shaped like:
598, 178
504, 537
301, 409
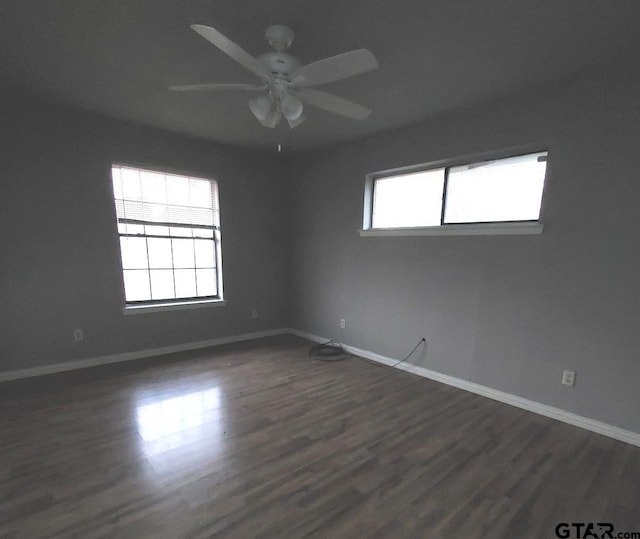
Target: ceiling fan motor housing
280, 63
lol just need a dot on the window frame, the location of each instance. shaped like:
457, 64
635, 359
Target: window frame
151, 305
529, 226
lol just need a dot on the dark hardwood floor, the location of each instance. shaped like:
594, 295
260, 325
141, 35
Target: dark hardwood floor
258, 440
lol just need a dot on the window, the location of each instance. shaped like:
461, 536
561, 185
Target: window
408, 200
507, 190
169, 236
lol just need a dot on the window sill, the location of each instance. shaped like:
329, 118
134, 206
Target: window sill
160, 307
484, 229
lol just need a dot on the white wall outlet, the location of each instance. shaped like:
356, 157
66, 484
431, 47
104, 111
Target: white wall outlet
569, 378
343, 323
254, 313
78, 335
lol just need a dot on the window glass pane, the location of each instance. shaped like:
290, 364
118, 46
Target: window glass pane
200, 193
202, 233
136, 285
178, 190
117, 182
122, 228
155, 212
187, 215
204, 254
162, 284
502, 190
180, 231
196, 216
183, 255
153, 187
160, 253
214, 196
131, 184
215, 214
134, 253
185, 283
152, 230
206, 280
408, 200
135, 229
120, 213
130, 209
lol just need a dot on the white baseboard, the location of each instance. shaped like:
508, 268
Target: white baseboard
138, 354
586, 423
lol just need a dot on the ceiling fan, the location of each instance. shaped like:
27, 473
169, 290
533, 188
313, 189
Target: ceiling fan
287, 83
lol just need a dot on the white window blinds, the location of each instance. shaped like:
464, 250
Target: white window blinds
143, 196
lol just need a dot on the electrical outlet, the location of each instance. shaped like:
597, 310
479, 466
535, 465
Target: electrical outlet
254, 313
78, 335
343, 323
569, 378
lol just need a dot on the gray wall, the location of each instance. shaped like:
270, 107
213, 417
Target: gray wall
60, 265
508, 312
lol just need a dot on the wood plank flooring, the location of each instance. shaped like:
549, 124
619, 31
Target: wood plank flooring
258, 440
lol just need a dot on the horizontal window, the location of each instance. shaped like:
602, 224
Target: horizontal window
507, 190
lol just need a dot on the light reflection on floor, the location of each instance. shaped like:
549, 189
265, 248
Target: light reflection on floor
192, 423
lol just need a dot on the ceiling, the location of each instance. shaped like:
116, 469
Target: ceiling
118, 57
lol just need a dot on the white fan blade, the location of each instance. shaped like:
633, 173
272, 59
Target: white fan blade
216, 87
296, 122
332, 103
233, 50
334, 68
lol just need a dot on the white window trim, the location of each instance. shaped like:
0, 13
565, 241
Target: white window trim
473, 229
161, 307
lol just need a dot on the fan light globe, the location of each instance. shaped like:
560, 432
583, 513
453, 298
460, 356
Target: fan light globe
260, 106
291, 107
